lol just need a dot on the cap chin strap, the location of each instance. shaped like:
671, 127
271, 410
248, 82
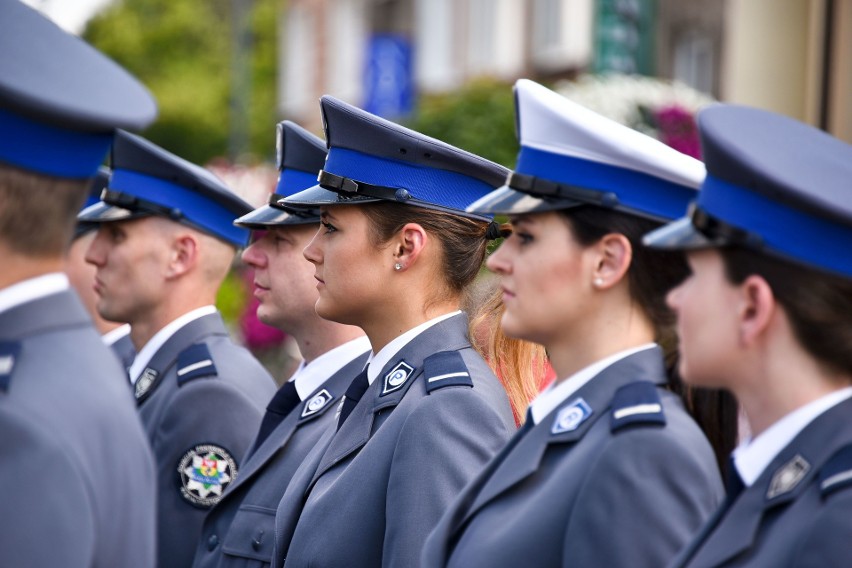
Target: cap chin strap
540, 187
722, 233
347, 187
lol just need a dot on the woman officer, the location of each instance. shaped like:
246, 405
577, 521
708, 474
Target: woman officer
767, 313
393, 256
610, 470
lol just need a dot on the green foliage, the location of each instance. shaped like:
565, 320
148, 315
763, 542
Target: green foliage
181, 49
479, 118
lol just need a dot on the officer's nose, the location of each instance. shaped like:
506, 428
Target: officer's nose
253, 256
95, 254
313, 252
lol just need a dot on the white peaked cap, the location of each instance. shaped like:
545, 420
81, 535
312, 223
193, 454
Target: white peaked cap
572, 156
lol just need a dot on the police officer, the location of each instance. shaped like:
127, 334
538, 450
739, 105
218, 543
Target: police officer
610, 469
767, 313
81, 275
394, 256
165, 243
76, 473
240, 527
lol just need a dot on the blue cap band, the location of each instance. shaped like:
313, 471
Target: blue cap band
793, 233
194, 207
50, 150
293, 181
638, 191
429, 184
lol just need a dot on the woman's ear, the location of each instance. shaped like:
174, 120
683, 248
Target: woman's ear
408, 246
756, 307
613, 254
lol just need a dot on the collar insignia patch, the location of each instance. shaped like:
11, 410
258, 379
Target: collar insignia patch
145, 382
316, 403
788, 476
570, 417
397, 377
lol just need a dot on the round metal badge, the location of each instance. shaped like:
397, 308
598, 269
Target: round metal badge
205, 472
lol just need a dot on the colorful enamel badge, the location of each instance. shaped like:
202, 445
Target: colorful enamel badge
205, 473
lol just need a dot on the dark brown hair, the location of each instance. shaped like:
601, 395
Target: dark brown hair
518, 364
651, 275
38, 212
462, 239
818, 304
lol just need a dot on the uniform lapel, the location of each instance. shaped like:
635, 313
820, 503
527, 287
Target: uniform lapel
526, 457
278, 438
385, 392
165, 357
790, 474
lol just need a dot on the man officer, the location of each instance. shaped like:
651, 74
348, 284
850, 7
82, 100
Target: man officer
81, 275
240, 527
165, 243
76, 473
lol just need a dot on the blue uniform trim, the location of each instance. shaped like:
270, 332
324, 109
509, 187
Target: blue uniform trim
293, 181
635, 190
428, 184
195, 362
8, 357
837, 472
636, 403
37, 147
446, 369
195, 207
784, 229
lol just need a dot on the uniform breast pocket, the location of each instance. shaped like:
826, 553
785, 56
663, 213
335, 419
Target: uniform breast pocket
249, 540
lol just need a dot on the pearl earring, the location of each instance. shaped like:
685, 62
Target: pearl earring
598, 282
397, 266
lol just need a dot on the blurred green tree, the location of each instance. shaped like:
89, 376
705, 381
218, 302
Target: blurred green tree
182, 50
479, 117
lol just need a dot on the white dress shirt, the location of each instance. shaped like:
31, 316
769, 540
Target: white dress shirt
557, 393
309, 377
113, 335
753, 456
32, 289
147, 352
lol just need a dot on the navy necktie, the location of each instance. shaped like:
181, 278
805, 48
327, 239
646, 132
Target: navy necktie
353, 394
733, 483
284, 401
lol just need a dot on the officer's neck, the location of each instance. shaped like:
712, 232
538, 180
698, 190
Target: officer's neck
18, 267
172, 306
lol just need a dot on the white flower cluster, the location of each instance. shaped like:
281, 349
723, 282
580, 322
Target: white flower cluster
621, 97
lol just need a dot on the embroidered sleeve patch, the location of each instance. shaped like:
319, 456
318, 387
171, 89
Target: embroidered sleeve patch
195, 362
445, 369
205, 472
636, 403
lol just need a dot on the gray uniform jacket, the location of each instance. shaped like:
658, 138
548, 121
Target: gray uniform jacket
798, 512
201, 399
369, 493
618, 475
239, 530
124, 350
76, 474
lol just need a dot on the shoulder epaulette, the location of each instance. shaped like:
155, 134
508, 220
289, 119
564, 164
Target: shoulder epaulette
836, 474
195, 362
8, 357
445, 369
636, 403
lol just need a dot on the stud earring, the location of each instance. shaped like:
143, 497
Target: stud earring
598, 282
397, 266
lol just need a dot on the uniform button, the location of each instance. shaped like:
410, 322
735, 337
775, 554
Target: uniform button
212, 542
257, 541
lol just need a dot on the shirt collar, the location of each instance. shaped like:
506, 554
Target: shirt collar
556, 394
379, 360
753, 456
155, 343
309, 377
113, 335
32, 289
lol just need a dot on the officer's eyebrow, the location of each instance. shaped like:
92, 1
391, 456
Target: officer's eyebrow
325, 215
